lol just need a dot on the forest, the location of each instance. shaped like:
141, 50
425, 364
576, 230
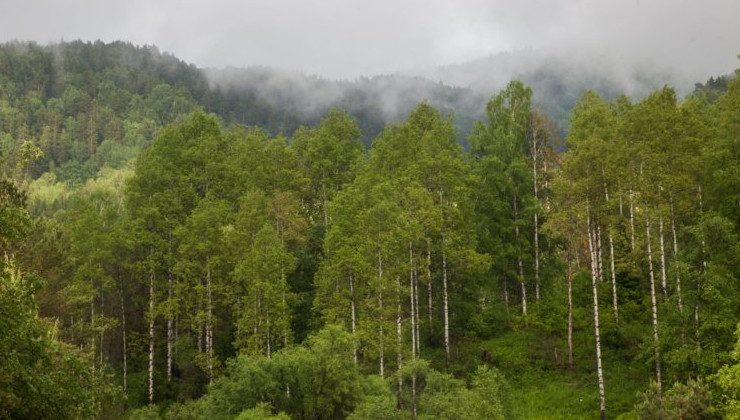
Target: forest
175, 248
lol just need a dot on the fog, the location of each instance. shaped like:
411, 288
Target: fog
345, 39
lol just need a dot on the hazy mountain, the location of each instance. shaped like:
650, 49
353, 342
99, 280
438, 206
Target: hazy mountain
282, 100
113, 74
558, 79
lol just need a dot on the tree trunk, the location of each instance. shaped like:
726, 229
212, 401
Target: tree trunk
151, 336
416, 311
399, 343
413, 395
92, 320
536, 224
615, 303
93, 141
380, 313
662, 257
102, 329
353, 314
170, 335
599, 369
412, 302
536, 259
519, 256
209, 321
592, 252
702, 273
414, 323
268, 338
569, 280
445, 301
653, 303
506, 297
324, 199
429, 287
632, 221
675, 258
125, 343
599, 254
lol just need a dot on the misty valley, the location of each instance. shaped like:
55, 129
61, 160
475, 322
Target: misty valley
254, 243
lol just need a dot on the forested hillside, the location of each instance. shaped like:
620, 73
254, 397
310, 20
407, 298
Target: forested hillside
92, 103
161, 259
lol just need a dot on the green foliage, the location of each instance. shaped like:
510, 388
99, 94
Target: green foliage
314, 380
261, 412
728, 380
683, 401
14, 220
448, 398
226, 249
40, 376
150, 412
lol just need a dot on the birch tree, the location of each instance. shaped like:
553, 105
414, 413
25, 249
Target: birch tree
502, 144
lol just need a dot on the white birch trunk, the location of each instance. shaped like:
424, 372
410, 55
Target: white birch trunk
662, 257
569, 279
102, 330
326, 214
654, 305
599, 257
675, 258
519, 257
151, 337
615, 303
599, 369
209, 322
506, 297
268, 338
399, 343
632, 221
92, 320
536, 259
703, 271
536, 224
170, 335
380, 316
412, 302
430, 303
416, 311
445, 301
125, 343
353, 314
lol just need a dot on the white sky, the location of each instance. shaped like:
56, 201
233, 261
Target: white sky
349, 38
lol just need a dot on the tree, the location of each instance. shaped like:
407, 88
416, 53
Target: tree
203, 267
328, 156
40, 376
423, 152
315, 380
682, 401
263, 311
501, 146
184, 164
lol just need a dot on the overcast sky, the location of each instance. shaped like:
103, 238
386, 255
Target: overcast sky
348, 38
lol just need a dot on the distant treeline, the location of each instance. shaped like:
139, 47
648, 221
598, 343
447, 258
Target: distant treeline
85, 104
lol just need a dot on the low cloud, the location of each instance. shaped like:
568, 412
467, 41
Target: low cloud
349, 38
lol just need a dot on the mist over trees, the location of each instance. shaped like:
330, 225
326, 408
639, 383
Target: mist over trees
246, 243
